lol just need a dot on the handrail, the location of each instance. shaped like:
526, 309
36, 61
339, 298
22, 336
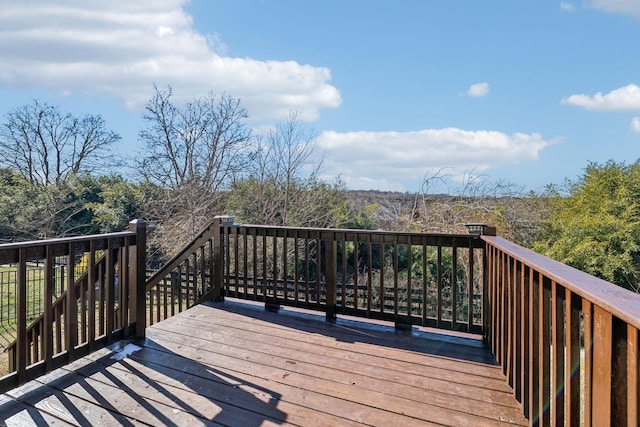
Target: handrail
35, 249
188, 278
184, 254
39, 322
567, 341
544, 321
620, 302
405, 277
99, 304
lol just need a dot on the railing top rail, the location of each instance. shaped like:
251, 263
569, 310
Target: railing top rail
65, 240
9, 252
350, 230
618, 301
181, 256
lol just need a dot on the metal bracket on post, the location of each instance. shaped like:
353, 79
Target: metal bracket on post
403, 324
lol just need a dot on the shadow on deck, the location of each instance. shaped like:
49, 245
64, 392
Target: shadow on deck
236, 364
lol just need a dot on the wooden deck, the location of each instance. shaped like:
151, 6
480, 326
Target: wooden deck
236, 364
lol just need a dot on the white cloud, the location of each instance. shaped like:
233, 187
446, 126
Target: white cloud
119, 48
635, 124
627, 7
623, 99
478, 90
567, 7
407, 156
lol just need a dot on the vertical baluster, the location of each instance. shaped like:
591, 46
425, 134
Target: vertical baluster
470, 293
439, 284
125, 287
176, 290
284, 264
343, 275
91, 294
245, 261
264, 266
22, 347
534, 345
369, 275
501, 306
307, 269
425, 281
236, 261
544, 348
492, 330
193, 298
572, 370
49, 283
632, 376
602, 361
296, 263
409, 277
508, 318
587, 312
109, 291
395, 275
102, 296
454, 286
274, 271
71, 319
527, 278
516, 320
557, 353
381, 262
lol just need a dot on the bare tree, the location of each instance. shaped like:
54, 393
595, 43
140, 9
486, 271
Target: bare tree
47, 146
517, 215
192, 153
205, 143
283, 186
288, 158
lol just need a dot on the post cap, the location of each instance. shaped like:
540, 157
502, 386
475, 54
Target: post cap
479, 229
225, 219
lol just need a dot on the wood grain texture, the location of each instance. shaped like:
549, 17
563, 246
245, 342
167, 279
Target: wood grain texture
234, 363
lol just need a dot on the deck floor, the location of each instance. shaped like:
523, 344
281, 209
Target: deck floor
236, 364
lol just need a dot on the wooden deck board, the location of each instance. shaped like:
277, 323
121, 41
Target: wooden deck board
237, 364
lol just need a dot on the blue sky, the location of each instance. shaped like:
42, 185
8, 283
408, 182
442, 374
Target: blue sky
527, 92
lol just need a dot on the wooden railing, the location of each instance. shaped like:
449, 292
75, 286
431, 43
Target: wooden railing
100, 301
567, 341
192, 276
408, 278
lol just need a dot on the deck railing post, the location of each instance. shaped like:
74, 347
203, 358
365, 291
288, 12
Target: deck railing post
138, 265
479, 229
218, 261
487, 333
331, 261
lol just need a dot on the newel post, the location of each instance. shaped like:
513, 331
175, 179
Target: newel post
330, 276
218, 257
138, 292
478, 229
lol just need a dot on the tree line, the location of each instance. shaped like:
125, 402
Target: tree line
59, 176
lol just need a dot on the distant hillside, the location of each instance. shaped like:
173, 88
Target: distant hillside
517, 217
364, 197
